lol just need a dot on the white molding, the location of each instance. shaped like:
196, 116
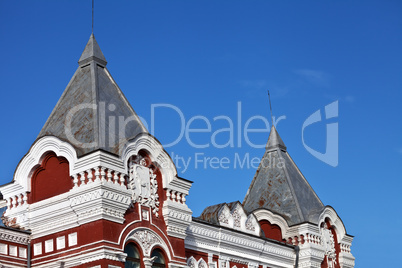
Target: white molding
147, 239
177, 217
22, 252
156, 153
335, 221
35, 155
264, 214
233, 245
83, 257
49, 246
61, 242
14, 236
72, 239
99, 159
191, 262
99, 200
11, 264
202, 264
3, 248
37, 249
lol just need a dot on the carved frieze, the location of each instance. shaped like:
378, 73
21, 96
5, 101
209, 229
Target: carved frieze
146, 239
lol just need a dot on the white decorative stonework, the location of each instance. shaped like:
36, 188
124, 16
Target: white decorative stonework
224, 216
48, 245
328, 242
236, 218
37, 249
61, 242
3, 248
22, 252
191, 262
223, 263
72, 239
14, 236
251, 223
145, 215
143, 185
238, 247
147, 240
202, 264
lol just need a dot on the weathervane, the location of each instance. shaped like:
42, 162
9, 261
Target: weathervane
270, 108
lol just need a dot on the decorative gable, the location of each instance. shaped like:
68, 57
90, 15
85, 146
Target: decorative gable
232, 215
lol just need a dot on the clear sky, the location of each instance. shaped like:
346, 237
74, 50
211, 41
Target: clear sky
208, 58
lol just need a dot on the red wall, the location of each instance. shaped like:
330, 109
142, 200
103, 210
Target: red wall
272, 231
51, 178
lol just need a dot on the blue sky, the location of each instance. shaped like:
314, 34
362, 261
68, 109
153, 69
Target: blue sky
204, 57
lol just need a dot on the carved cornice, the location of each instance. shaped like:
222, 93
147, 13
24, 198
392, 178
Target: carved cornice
14, 236
177, 217
104, 254
100, 200
236, 245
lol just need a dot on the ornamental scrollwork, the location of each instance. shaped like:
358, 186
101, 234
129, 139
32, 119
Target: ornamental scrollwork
236, 218
328, 242
143, 184
146, 239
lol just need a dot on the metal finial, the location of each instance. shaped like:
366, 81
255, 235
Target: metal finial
270, 108
92, 16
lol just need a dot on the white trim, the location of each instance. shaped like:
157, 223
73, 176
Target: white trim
335, 221
235, 246
14, 236
264, 214
35, 155
156, 153
156, 242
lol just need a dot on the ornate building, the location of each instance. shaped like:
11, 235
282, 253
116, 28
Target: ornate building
85, 196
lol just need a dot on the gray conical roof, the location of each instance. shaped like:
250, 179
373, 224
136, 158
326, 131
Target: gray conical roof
274, 140
92, 51
90, 113
280, 187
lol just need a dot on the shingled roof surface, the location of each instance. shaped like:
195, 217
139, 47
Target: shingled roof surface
81, 116
280, 187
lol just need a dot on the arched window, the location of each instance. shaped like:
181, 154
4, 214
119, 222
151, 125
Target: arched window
133, 259
159, 262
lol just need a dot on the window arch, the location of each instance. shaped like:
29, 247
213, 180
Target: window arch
133, 259
160, 260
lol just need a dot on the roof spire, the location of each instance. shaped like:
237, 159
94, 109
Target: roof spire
270, 108
82, 114
92, 16
280, 187
92, 52
274, 140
